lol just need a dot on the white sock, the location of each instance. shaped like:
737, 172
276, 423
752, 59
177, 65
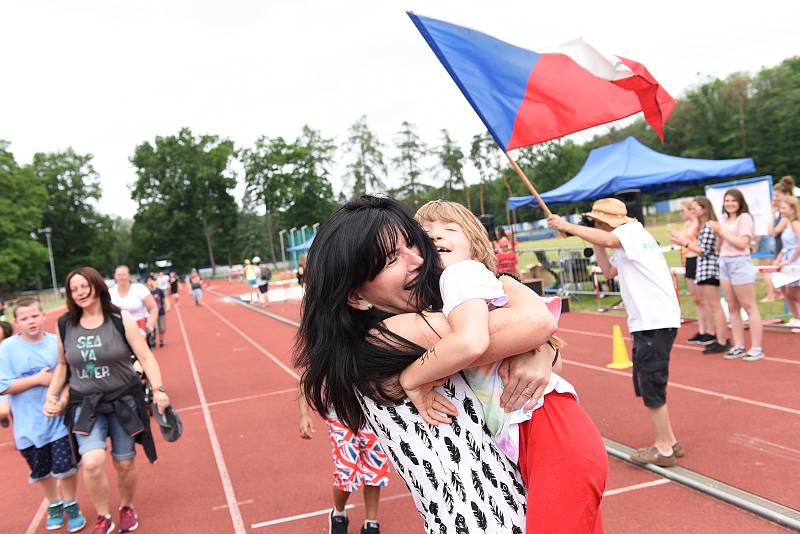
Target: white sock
338, 513
369, 522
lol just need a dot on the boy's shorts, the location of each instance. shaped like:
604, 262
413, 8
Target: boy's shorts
651, 350
53, 459
357, 458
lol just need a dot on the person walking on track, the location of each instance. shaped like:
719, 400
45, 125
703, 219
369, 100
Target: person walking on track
26, 363
134, 298
371, 271
106, 397
654, 314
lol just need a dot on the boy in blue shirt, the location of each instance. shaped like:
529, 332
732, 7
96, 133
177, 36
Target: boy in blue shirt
25, 363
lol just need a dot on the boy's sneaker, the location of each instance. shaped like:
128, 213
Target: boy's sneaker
338, 523
650, 455
734, 352
128, 520
103, 525
371, 527
716, 348
55, 516
75, 519
753, 354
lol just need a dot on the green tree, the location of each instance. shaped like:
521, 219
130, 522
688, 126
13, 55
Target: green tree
183, 190
310, 188
73, 189
483, 154
451, 164
367, 168
22, 204
411, 150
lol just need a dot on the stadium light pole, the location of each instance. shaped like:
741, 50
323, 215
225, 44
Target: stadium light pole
283, 249
47, 231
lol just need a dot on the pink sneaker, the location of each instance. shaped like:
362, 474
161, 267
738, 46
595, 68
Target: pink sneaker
128, 520
103, 525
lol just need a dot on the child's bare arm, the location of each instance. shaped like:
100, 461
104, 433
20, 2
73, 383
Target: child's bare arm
42, 378
306, 420
468, 340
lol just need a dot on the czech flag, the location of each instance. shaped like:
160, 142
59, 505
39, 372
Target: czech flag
525, 97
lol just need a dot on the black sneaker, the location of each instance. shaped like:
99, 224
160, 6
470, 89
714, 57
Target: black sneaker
371, 527
707, 338
338, 523
716, 348
696, 339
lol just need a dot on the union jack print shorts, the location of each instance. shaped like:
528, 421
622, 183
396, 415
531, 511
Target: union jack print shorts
357, 458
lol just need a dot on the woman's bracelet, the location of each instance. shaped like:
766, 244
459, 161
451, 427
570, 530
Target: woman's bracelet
515, 277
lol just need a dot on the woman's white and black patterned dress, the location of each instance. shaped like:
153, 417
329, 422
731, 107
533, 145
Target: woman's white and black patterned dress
460, 481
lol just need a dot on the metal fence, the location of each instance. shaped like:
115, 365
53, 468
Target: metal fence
565, 271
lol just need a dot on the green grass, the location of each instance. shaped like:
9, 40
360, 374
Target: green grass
48, 299
661, 234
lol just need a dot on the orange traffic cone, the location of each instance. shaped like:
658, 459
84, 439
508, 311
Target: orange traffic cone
619, 356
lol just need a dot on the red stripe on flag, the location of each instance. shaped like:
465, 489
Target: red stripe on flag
656, 103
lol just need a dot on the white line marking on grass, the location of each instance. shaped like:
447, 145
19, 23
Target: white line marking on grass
291, 518
702, 391
635, 487
37, 518
227, 486
269, 355
239, 399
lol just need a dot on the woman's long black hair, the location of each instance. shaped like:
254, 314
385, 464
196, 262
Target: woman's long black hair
337, 348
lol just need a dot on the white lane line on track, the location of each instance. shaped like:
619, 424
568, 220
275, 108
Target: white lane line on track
268, 354
695, 348
239, 399
725, 396
227, 486
326, 511
635, 487
37, 518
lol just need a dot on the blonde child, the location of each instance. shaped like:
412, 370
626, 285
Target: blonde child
789, 229
551, 425
358, 462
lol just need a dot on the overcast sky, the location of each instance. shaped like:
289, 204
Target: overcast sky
104, 76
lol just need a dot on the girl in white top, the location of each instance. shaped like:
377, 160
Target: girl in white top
789, 229
738, 275
470, 290
134, 298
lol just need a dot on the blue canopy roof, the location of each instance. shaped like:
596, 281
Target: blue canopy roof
302, 247
629, 164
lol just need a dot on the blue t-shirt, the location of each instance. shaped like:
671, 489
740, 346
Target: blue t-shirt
19, 359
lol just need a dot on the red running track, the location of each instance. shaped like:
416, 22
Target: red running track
241, 462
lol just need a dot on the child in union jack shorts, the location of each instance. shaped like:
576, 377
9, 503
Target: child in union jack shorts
358, 461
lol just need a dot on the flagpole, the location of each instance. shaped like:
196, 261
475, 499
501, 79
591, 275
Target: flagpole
528, 184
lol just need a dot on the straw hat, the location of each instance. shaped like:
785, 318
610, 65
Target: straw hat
610, 211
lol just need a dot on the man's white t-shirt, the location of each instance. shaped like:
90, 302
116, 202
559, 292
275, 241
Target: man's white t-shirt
162, 282
133, 302
644, 279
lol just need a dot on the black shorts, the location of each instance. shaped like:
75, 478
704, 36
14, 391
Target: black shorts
708, 282
691, 267
53, 459
263, 289
651, 350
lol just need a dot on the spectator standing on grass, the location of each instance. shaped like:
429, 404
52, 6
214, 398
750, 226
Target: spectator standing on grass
196, 284
106, 398
705, 324
707, 275
174, 290
26, 363
737, 274
162, 303
134, 298
789, 254
654, 315
358, 462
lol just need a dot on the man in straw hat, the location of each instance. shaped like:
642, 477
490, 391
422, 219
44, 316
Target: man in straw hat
652, 305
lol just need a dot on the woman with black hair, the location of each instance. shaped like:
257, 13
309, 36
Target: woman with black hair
371, 283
